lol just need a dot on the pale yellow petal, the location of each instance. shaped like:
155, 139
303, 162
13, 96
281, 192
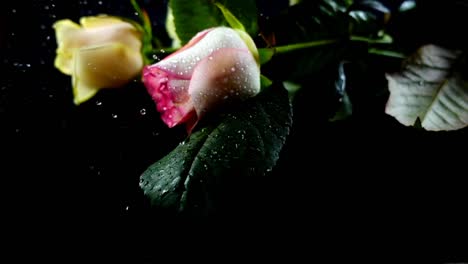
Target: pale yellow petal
66, 31
82, 92
105, 66
99, 21
112, 32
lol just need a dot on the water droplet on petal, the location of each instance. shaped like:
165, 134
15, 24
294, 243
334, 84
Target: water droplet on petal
210, 58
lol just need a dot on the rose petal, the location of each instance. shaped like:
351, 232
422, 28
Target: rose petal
106, 66
183, 62
96, 31
170, 94
65, 30
227, 74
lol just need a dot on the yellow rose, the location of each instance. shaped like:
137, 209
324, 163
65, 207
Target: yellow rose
104, 52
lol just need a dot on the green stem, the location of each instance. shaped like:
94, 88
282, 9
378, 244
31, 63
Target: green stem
387, 40
298, 46
387, 53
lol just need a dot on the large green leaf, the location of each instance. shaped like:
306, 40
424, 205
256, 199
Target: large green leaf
432, 88
191, 17
219, 163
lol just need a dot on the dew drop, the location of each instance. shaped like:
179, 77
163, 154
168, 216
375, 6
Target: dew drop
114, 116
126, 208
28, 65
225, 97
164, 108
13, 11
143, 111
233, 69
162, 51
98, 103
99, 2
210, 58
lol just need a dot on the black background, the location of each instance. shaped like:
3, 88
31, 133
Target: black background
362, 187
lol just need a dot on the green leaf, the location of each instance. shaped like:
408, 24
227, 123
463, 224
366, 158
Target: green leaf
230, 18
265, 54
432, 88
191, 17
202, 172
265, 82
245, 11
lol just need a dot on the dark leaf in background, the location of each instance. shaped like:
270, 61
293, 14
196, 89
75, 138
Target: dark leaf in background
218, 168
191, 17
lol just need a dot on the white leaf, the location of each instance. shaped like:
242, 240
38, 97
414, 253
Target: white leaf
430, 88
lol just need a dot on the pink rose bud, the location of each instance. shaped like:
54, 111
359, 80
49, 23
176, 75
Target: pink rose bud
218, 66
